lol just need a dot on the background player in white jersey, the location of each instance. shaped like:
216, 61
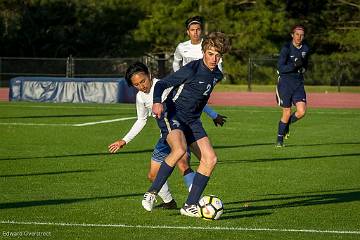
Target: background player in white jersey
191, 50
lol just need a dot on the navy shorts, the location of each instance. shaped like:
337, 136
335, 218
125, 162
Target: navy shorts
162, 150
287, 96
192, 131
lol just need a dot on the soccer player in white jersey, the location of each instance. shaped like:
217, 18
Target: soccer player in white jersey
138, 76
191, 50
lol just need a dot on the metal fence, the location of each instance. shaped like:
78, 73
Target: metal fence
76, 67
260, 70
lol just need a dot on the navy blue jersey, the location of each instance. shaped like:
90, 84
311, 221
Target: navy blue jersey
289, 73
192, 84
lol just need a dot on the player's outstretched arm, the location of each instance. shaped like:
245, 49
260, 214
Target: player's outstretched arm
114, 147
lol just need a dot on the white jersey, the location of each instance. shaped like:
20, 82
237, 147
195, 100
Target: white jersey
144, 102
186, 52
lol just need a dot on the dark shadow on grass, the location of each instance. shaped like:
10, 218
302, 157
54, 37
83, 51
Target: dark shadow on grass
49, 202
243, 145
287, 145
61, 116
225, 215
276, 159
45, 173
321, 144
77, 155
325, 191
296, 200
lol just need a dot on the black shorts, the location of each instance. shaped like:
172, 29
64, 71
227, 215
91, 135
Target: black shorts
286, 96
193, 131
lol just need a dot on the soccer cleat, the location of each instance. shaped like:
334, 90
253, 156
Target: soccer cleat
287, 135
287, 131
170, 205
190, 210
148, 201
279, 144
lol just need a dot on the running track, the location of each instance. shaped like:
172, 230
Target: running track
266, 99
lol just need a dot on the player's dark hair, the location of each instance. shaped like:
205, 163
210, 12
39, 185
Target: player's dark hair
297, 26
194, 20
217, 40
134, 68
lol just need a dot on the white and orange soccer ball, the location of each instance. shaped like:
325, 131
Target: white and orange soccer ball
210, 207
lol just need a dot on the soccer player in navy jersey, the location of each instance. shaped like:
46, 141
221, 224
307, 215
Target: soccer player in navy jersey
179, 119
292, 64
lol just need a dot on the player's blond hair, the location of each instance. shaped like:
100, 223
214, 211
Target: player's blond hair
217, 40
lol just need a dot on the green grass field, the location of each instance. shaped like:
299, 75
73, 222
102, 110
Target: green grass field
57, 179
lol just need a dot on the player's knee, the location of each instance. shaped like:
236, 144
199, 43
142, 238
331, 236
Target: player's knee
211, 161
300, 113
151, 176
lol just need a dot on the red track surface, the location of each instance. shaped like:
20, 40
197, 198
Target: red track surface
266, 99
318, 100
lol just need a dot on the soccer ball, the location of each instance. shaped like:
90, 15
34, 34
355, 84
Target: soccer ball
210, 207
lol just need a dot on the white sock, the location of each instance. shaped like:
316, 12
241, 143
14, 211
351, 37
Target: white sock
165, 193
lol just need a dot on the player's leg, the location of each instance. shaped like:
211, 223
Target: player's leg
164, 193
283, 98
160, 152
177, 143
299, 100
185, 169
204, 150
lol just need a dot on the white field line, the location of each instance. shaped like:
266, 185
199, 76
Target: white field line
101, 122
37, 124
242, 229
68, 124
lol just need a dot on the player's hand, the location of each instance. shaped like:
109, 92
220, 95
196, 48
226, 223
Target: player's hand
114, 147
298, 62
219, 120
302, 70
157, 109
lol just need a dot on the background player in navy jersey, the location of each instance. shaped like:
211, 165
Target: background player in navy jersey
191, 50
292, 64
179, 119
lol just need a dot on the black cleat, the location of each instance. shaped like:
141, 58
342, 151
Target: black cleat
169, 205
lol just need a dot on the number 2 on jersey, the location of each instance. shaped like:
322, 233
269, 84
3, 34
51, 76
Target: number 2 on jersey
208, 88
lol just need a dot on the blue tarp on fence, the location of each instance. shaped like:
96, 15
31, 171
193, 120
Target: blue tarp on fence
75, 90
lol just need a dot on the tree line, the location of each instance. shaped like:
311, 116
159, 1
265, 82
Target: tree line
127, 28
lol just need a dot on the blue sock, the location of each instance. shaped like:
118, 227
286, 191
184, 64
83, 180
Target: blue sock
293, 118
189, 177
281, 131
198, 186
163, 174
